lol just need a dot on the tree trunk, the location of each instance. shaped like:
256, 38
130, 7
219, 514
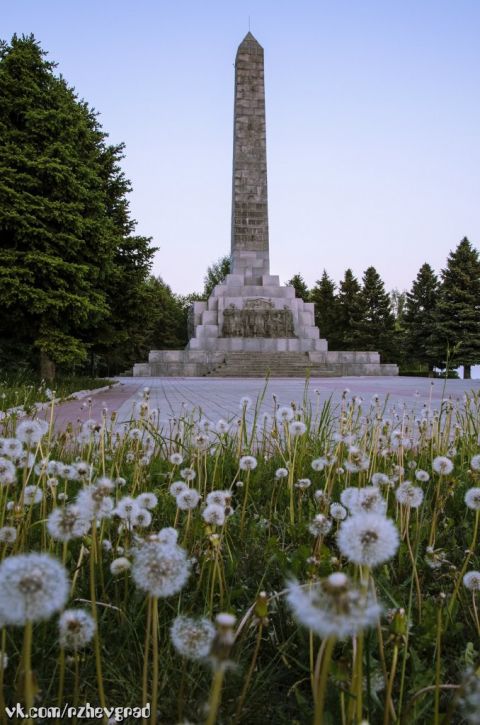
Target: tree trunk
47, 367
467, 372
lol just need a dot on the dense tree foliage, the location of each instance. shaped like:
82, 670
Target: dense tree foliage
375, 328
216, 273
348, 310
71, 270
301, 289
419, 318
326, 313
456, 338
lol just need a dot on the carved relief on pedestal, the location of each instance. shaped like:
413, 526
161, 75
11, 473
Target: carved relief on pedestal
258, 318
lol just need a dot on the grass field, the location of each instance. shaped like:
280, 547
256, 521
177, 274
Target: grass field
21, 389
317, 565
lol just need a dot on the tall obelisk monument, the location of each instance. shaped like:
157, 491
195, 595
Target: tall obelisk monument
249, 187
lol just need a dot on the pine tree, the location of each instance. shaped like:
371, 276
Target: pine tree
349, 310
457, 330
301, 289
65, 232
375, 329
326, 312
216, 274
419, 317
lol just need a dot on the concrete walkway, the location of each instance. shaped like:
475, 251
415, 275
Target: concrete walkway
220, 398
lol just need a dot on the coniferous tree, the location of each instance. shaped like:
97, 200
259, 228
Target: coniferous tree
419, 318
66, 249
216, 274
301, 289
375, 329
326, 313
349, 310
457, 330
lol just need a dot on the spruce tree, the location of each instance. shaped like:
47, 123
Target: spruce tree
349, 310
375, 329
326, 314
65, 232
457, 330
301, 289
419, 318
216, 274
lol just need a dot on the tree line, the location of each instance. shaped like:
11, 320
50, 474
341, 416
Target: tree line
435, 324
76, 289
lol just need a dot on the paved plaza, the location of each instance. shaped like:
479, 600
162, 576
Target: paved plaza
220, 398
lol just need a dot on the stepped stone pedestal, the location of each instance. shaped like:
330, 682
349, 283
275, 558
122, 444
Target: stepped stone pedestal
252, 325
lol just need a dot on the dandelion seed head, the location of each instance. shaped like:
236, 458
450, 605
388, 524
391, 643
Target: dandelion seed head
76, 629
318, 464
160, 569
332, 607
368, 539
320, 526
8, 534
472, 498
177, 487
409, 495
297, 428
214, 515
285, 414
176, 459
247, 463
188, 499
338, 512
32, 588
475, 462
120, 565
442, 465
147, 500
471, 581
188, 474
192, 638
67, 522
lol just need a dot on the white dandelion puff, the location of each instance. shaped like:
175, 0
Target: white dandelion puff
442, 465
368, 539
472, 499
281, 473
188, 499
409, 495
214, 515
320, 526
338, 512
475, 462
333, 607
177, 487
66, 523
147, 500
76, 629
120, 565
297, 428
318, 464
247, 463
471, 581
192, 638
176, 459
32, 588
285, 414
159, 569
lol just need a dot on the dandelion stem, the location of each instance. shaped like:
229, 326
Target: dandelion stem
321, 684
465, 564
96, 638
154, 660
146, 653
215, 695
246, 684
27, 667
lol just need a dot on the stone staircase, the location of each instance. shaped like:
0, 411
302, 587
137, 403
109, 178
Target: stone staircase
277, 365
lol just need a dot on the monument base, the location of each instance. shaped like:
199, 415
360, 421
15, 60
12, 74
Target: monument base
251, 330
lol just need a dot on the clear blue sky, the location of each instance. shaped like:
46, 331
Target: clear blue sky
373, 123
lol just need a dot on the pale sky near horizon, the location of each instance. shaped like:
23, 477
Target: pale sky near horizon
373, 124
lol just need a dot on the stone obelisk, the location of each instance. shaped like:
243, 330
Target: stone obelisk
251, 323
249, 249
